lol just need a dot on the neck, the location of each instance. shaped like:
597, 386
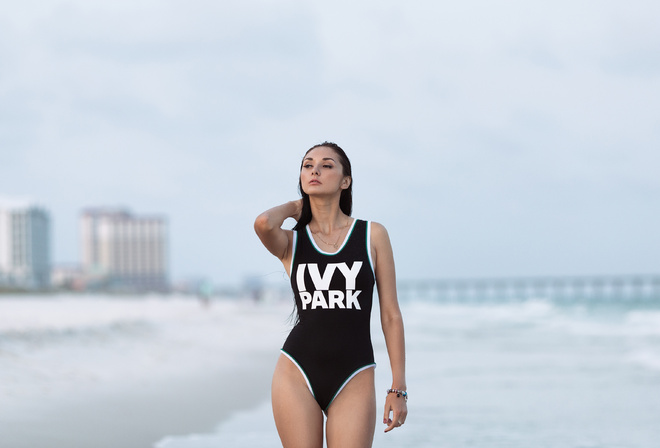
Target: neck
326, 214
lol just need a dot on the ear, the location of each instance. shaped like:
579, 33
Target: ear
346, 182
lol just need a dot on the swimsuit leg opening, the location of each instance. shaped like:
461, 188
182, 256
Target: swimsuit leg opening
350, 377
302, 371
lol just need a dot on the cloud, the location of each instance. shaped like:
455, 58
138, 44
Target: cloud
494, 125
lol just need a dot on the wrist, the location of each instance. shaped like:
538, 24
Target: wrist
399, 393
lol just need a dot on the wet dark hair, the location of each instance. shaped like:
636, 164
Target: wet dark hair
346, 198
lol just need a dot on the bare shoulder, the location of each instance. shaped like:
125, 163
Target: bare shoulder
379, 234
381, 248
383, 257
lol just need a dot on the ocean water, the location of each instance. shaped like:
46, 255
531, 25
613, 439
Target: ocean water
516, 374
55, 348
511, 374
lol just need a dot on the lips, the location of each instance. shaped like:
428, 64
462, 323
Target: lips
314, 182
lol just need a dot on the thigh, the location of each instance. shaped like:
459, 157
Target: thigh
352, 415
298, 417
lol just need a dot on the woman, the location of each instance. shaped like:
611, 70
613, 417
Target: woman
326, 364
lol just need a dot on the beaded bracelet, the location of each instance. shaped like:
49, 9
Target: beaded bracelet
398, 393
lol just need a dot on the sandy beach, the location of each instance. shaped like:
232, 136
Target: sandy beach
135, 372
138, 415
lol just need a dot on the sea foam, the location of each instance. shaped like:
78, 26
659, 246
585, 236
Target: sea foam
55, 345
521, 374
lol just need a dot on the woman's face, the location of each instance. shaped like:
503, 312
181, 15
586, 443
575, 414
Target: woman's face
322, 172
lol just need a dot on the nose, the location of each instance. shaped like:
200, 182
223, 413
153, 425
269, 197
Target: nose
315, 170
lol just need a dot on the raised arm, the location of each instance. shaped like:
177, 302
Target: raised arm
268, 226
392, 323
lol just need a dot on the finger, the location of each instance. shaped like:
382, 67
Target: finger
386, 416
393, 424
398, 419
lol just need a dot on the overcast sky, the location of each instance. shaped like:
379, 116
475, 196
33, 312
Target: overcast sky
490, 138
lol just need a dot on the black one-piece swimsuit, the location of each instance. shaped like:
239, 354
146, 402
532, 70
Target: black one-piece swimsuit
331, 342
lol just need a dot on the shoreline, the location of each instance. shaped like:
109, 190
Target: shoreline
139, 414
100, 372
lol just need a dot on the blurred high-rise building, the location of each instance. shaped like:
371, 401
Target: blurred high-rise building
24, 246
123, 251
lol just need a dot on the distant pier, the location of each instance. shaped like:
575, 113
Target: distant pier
578, 288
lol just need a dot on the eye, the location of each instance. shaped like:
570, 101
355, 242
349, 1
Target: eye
307, 165
327, 166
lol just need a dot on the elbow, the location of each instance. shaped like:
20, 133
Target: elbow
263, 224
392, 319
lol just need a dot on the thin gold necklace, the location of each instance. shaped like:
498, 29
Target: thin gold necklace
336, 244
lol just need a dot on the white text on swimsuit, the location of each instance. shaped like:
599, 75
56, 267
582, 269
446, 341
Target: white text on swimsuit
335, 298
